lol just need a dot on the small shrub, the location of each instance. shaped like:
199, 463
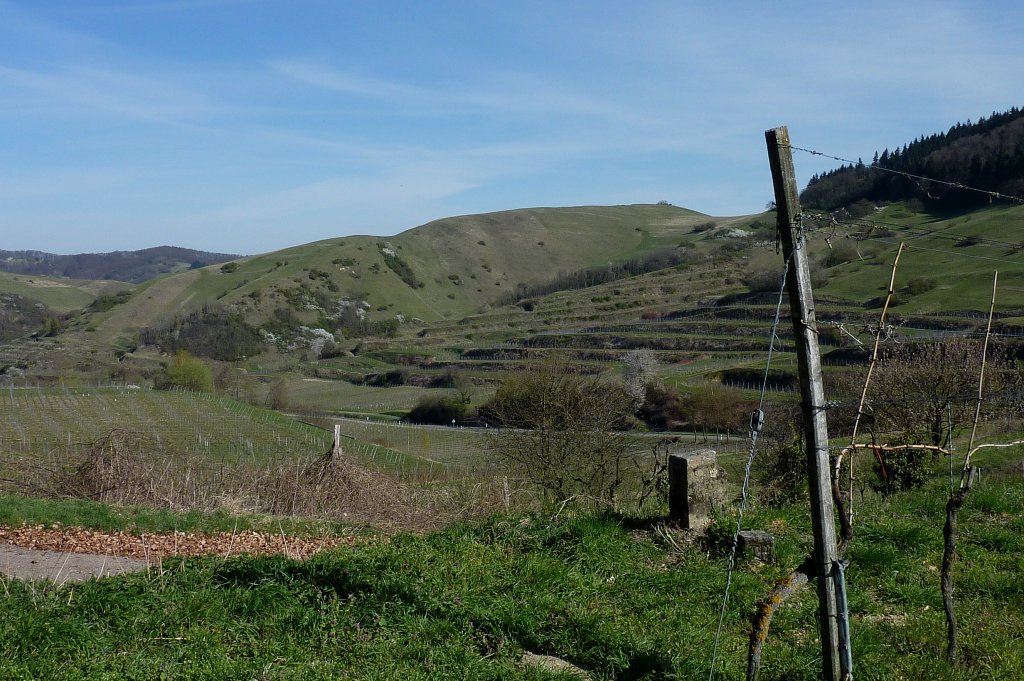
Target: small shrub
185, 371
439, 410
839, 254
662, 408
389, 379
919, 285
780, 470
763, 281
398, 266
277, 398
781, 473
861, 208
105, 303
903, 469
879, 301
229, 267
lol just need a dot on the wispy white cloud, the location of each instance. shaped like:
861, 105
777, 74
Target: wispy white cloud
164, 5
71, 91
20, 29
506, 93
272, 133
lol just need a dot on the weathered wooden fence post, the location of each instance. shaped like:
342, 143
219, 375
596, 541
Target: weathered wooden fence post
812, 392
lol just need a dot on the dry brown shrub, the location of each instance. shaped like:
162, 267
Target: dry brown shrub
338, 487
113, 472
126, 467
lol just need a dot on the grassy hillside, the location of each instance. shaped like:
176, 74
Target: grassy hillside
707, 314
65, 423
959, 254
453, 266
59, 295
443, 270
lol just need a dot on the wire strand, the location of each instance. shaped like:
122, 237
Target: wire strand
911, 176
755, 430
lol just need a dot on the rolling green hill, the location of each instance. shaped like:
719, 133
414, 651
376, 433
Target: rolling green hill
443, 270
40, 305
478, 295
451, 266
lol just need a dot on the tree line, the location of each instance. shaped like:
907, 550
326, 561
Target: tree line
987, 154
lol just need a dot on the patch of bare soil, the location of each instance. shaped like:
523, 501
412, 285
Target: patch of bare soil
64, 554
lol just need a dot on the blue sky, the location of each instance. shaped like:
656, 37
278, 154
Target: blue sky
246, 126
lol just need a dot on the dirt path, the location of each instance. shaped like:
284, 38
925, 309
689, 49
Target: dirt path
61, 568
65, 554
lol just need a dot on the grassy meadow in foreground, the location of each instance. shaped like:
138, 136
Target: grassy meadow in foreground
620, 596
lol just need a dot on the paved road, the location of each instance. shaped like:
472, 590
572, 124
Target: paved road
62, 567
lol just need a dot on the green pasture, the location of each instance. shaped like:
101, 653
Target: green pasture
324, 396
60, 295
619, 595
60, 425
42, 420
459, 448
938, 248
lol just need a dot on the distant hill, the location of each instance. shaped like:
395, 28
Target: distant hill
487, 294
128, 266
358, 286
35, 304
988, 154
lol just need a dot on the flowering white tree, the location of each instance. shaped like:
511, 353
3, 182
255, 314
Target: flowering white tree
641, 372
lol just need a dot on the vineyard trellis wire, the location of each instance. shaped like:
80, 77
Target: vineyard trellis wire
957, 496
916, 178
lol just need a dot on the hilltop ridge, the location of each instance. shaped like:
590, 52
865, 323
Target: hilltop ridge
128, 266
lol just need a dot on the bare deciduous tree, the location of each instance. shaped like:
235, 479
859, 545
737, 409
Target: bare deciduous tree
565, 431
920, 387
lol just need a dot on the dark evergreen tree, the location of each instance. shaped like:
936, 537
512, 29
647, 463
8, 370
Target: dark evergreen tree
988, 154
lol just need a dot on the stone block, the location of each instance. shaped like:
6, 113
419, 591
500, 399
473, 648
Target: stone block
756, 544
694, 481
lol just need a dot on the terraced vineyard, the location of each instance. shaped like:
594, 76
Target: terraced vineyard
707, 320
707, 324
58, 427
39, 420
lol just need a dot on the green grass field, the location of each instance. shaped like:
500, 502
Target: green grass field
39, 420
619, 596
60, 295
